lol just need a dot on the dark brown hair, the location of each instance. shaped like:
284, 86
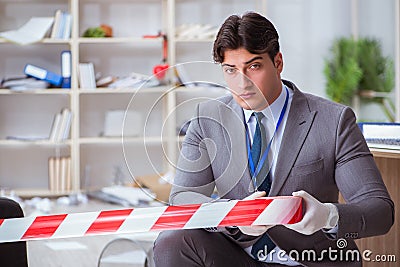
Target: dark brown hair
251, 31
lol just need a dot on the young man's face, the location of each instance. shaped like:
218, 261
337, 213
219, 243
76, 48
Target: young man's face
254, 79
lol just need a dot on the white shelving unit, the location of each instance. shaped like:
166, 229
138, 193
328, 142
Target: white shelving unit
24, 164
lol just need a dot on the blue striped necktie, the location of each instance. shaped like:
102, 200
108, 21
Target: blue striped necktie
263, 180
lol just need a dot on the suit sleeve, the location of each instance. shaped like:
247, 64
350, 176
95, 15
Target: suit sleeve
194, 182
368, 210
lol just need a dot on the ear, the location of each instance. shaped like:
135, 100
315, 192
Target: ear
278, 62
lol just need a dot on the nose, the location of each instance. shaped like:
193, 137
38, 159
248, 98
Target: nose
243, 81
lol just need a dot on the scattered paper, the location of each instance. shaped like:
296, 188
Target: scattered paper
132, 195
129, 257
65, 245
31, 32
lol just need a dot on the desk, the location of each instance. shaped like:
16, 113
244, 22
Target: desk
388, 162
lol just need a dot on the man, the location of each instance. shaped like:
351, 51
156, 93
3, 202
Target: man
313, 150
12, 254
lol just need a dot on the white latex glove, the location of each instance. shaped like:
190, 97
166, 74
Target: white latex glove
255, 230
317, 215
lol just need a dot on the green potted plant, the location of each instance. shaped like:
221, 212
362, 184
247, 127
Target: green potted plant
357, 67
378, 78
342, 71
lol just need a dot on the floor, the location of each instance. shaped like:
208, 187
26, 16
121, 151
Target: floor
103, 251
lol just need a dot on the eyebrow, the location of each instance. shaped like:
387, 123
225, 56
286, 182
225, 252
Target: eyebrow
247, 62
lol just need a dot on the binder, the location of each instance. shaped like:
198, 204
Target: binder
66, 69
43, 74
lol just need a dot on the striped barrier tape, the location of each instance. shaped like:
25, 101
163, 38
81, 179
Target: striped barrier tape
262, 211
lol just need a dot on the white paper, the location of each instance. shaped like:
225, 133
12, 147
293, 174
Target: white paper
31, 32
131, 257
65, 245
131, 194
381, 131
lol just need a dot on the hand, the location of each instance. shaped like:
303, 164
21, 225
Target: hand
254, 230
317, 216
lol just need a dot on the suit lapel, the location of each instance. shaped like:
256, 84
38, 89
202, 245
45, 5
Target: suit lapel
298, 124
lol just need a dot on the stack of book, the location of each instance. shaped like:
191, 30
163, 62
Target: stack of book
61, 126
61, 26
60, 174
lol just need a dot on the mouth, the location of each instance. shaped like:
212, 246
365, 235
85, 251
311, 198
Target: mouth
246, 95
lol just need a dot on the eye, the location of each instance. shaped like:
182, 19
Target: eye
255, 66
230, 70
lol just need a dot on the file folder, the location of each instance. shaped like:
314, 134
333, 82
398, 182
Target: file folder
43, 74
66, 69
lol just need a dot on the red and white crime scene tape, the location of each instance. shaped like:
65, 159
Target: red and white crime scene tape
262, 211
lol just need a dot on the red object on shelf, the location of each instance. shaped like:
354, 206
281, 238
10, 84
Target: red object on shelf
160, 70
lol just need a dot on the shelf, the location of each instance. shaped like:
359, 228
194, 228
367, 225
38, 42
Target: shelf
200, 89
43, 41
5, 142
37, 91
194, 40
83, 40
119, 40
56, 41
34, 192
119, 140
105, 90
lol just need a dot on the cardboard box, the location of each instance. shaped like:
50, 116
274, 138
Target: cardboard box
154, 182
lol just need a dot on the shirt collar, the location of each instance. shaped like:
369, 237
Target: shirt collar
274, 108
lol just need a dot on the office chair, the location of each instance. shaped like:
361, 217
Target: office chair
12, 254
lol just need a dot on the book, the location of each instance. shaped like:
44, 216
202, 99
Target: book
63, 174
56, 24
55, 128
68, 175
62, 25
61, 126
66, 31
56, 174
59, 174
65, 125
87, 78
43, 74
52, 175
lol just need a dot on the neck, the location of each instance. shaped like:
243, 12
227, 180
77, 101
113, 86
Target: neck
271, 99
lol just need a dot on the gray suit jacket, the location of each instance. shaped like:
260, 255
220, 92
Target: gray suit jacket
322, 152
